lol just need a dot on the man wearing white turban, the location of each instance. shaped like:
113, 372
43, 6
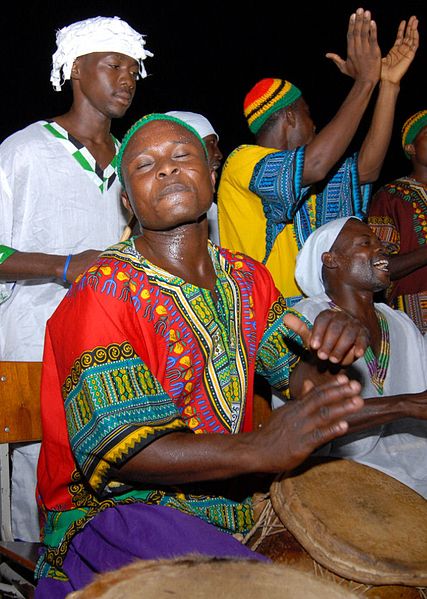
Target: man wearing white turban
341, 266
211, 138
60, 196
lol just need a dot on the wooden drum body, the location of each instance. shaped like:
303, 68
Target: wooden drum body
353, 522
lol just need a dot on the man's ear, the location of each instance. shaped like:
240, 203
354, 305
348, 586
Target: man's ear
329, 260
410, 149
126, 202
289, 115
75, 69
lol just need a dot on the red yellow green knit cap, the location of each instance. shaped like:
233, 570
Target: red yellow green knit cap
265, 98
412, 127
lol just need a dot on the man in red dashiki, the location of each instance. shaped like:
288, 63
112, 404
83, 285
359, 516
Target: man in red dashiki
398, 215
147, 382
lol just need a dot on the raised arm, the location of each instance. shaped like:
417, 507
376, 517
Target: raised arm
393, 68
363, 64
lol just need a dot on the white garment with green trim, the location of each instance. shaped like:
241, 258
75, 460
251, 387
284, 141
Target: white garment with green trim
53, 199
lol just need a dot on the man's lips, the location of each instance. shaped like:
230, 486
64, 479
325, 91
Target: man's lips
124, 97
173, 188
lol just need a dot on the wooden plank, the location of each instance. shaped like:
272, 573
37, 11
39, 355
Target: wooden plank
21, 552
20, 402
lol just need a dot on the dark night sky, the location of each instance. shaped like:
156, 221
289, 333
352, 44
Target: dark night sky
205, 60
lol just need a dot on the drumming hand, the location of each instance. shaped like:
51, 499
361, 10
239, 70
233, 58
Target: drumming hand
335, 336
79, 263
295, 430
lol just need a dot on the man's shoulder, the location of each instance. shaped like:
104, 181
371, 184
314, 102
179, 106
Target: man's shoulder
398, 317
33, 133
311, 306
246, 153
241, 262
395, 188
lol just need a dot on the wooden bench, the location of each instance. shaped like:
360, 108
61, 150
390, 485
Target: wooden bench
19, 422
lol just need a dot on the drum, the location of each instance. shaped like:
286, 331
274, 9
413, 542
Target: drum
349, 523
199, 578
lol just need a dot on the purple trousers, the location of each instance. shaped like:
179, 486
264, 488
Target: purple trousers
121, 534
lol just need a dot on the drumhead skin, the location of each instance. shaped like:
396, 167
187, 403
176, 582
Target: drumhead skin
209, 579
356, 521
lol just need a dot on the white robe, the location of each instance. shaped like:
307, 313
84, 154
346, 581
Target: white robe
48, 204
398, 448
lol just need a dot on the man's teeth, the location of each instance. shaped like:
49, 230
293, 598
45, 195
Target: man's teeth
381, 264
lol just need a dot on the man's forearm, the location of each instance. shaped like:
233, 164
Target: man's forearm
401, 265
31, 265
333, 140
377, 140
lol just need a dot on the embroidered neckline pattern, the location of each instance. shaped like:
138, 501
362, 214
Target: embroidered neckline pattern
377, 366
103, 179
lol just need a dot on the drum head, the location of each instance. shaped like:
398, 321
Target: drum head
356, 521
209, 579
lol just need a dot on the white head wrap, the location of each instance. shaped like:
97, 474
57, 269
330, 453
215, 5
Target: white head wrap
195, 120
98, 34
308, 271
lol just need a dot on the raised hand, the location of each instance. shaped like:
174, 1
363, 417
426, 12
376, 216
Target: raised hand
397, 61
335, 336
363, 53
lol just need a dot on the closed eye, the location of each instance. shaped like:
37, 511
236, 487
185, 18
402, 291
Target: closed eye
142, 165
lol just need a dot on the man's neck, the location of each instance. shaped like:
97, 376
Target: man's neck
88, 126
358, 303
419, 173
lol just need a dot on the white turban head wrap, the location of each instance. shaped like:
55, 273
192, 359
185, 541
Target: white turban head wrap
308, 271
195, 120
98, 34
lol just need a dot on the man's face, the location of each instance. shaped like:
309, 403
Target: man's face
214, 153
107, 81
360, 258
167, 177
420, 147
303, 130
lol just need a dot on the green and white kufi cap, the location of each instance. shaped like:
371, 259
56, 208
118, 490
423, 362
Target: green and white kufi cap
148, 118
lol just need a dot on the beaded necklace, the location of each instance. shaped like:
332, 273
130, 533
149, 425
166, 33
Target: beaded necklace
377, 366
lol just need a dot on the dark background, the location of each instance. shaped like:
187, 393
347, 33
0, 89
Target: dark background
206, 60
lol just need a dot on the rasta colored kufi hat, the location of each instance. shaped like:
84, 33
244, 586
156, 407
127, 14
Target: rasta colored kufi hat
199, 122
412, 127
155, 116
98, 34
308, 271
267, 97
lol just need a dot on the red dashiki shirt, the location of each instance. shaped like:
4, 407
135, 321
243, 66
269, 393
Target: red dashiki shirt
398, 215
133, 353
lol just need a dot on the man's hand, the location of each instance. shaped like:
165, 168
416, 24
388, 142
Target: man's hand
397, 61
335, 336
363, 53
295, 430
